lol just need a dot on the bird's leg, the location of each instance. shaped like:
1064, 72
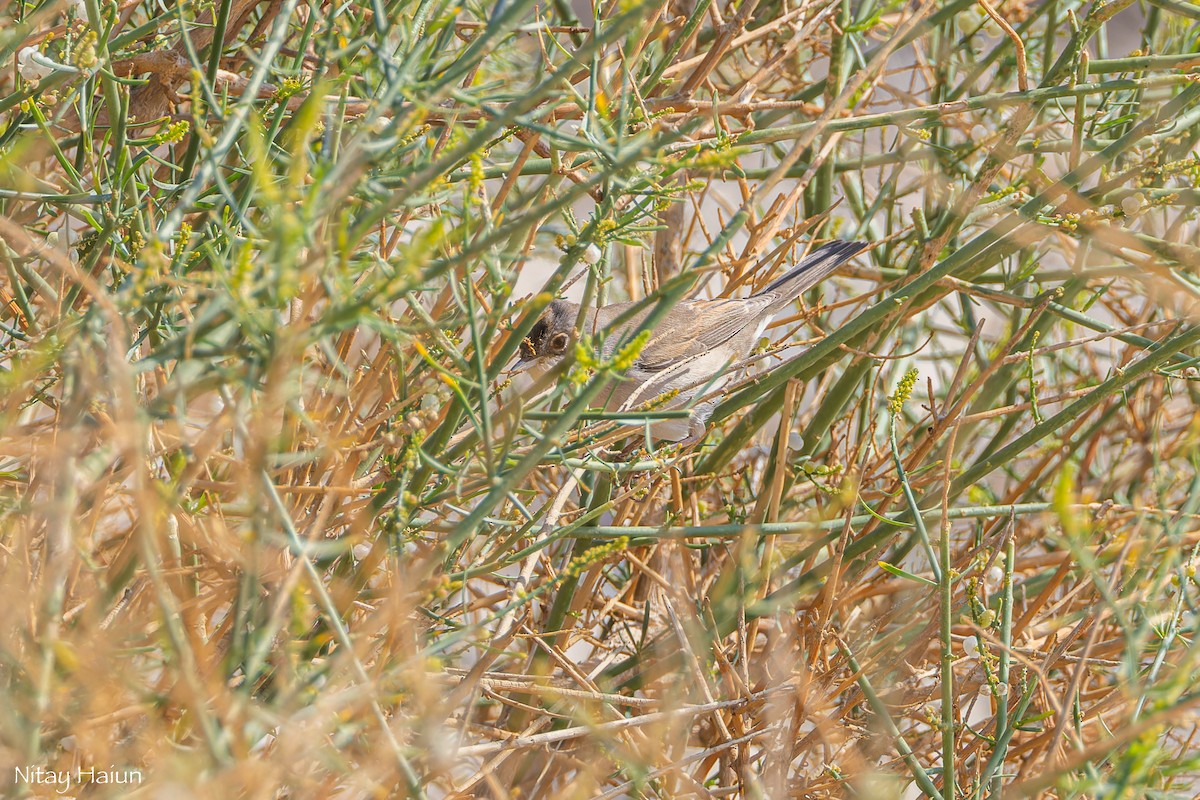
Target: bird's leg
695, 433
697, 429
697, 424
631, 449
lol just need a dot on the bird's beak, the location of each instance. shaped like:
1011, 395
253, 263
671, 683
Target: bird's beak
522, 364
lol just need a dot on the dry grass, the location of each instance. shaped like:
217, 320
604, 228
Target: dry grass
275, 523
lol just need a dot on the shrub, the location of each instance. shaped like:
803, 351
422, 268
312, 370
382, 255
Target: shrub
277, 521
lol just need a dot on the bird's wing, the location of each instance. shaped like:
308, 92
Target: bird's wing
697, 327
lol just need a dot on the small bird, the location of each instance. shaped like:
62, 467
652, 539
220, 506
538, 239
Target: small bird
690, 349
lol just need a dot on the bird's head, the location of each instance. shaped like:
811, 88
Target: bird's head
549, 338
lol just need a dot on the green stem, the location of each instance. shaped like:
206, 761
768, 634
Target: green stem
885, 717
999, 751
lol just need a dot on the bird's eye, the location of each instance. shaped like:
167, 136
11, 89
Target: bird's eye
558, 342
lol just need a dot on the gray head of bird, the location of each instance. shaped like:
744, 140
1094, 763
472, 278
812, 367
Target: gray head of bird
549, 339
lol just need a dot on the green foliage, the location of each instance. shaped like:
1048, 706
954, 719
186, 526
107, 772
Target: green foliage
275, 520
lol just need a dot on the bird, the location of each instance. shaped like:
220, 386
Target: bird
691, 349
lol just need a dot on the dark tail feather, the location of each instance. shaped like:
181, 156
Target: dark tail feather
813, 269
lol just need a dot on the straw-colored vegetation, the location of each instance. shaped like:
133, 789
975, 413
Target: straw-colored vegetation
276, 522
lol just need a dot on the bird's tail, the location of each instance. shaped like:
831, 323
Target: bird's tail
813, 269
